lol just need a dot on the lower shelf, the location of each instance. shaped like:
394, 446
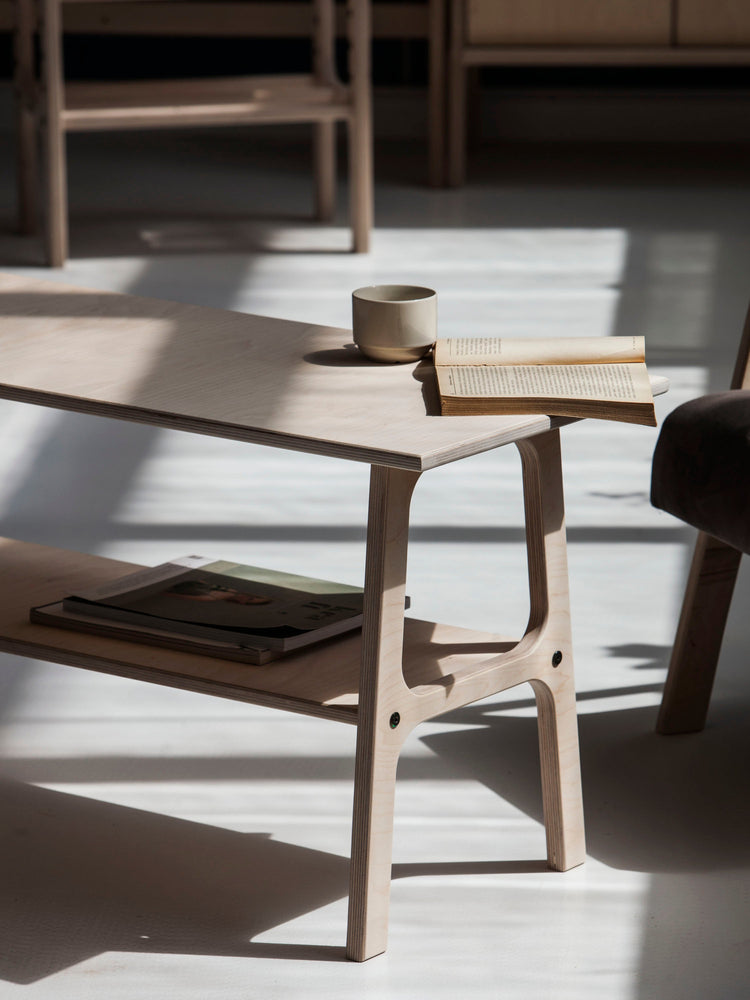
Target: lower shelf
321, 681
210, 101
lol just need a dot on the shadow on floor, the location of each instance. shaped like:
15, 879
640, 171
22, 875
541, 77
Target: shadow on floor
652, 803
83, 877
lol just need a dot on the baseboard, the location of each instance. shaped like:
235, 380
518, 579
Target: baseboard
563, 115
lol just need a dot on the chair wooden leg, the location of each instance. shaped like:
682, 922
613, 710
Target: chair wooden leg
54, 134
697, 644
26, 122
381, 688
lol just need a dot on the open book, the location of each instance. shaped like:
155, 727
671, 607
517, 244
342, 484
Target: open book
603, 377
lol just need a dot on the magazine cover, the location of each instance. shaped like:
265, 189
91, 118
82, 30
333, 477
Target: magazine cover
215, 598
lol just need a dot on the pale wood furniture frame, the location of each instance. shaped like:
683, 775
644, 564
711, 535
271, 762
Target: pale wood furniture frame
261, 18
701, 33
46, 101
705, 607
278, 383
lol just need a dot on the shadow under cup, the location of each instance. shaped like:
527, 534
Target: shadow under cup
394, 322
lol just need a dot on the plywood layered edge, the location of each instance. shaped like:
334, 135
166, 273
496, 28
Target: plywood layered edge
291, 442
321, 680
276, 439
55, 653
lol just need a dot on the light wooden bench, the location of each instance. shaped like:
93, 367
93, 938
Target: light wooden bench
47, 102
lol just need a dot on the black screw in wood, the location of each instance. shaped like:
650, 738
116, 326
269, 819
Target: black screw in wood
556, 658
395, 719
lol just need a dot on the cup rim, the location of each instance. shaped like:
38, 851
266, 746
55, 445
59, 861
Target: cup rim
398, 294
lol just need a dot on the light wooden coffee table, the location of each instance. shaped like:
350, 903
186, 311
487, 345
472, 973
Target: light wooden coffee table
300, 387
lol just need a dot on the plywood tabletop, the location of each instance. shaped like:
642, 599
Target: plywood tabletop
250, 378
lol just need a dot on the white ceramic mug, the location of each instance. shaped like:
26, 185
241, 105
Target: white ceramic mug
394, 322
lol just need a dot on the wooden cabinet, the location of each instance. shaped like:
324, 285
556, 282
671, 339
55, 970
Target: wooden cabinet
713, 22
699, 33
607, 22
562, 22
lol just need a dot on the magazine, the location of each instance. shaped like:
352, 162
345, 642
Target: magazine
262, 611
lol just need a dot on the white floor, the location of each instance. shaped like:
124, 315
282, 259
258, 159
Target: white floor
159, 844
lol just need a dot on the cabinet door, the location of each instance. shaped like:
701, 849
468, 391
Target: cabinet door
713, 22
568, 22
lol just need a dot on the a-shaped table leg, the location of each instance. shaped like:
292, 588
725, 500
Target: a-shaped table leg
388, 710
379, 734
549, 628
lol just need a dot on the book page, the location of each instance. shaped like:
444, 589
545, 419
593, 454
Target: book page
539, 351
615, 383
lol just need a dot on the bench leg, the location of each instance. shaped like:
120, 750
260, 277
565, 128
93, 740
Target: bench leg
26, 120
325, 171
54, 135
360, 125
437, 92
697, 644
324, 38
456, 138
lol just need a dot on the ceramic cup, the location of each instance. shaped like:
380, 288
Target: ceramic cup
394, 322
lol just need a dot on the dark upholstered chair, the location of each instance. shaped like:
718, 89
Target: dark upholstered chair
701, 474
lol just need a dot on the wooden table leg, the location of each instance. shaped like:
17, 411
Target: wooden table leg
388, 710
380, 733
550, 620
